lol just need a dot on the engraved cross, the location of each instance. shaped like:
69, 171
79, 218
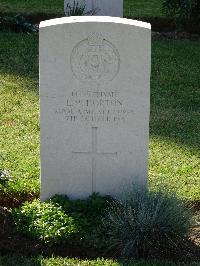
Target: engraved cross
94, 154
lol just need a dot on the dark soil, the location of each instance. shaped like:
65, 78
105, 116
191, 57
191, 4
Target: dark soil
14, 200
13, 243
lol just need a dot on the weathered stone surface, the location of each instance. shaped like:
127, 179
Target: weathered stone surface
95, 103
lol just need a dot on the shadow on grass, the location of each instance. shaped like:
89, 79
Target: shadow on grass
177, 126
19, 261
19, 58
175, 82
175, 91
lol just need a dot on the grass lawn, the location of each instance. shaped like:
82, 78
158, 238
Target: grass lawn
175, 120
143, 8
174, 150
133, 8
175, 117
19, 111
20, 261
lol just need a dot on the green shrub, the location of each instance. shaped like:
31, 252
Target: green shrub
145, 221
16, 24
77, 222
182, 10
45, 221
87, 215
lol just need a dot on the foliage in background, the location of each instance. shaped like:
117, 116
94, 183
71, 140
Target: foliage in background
16, 24
143, 9
182, 10
145, 221
135, 9
45, 221
78, 9
75, 10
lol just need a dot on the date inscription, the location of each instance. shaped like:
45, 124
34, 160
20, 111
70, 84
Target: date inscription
95, 106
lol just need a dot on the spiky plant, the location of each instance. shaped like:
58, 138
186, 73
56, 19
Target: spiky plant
78, 9
144, 221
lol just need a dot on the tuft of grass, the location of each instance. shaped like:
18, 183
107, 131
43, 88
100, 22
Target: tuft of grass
142, 222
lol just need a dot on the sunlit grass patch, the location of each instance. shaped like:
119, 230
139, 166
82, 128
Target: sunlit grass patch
174, 126
56, 261
19, 111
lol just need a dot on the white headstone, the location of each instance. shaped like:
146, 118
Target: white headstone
113, 8
95, 103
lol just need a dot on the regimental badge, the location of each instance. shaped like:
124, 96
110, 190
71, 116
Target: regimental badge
95, 59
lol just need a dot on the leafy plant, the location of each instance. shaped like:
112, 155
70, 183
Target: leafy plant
78, 9
63, 220
182, 10
87, 214
45, 221
144, 221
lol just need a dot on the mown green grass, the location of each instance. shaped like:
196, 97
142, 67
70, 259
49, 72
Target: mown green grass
19, 111
39, 261
133, 8
175, 117
174, 127
32, 6
143, 8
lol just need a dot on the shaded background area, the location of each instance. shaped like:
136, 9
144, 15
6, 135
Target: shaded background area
136, 8
146, 10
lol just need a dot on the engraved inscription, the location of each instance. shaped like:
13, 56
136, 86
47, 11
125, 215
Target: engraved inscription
87, 105
94, 154
95, 59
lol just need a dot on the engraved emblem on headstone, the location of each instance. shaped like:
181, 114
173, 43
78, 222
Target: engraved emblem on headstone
95, 59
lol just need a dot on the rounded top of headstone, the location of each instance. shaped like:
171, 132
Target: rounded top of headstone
99, 19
